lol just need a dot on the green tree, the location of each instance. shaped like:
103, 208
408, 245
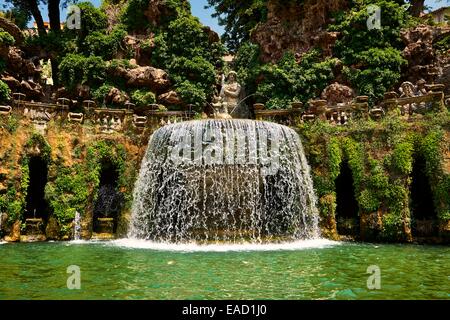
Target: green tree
238, 18
183, 49
372, 58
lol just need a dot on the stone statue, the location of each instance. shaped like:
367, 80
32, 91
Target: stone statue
47, 72
407, 90
421, 88
230, 93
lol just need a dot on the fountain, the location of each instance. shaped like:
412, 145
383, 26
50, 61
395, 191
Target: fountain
232, 181
77, 226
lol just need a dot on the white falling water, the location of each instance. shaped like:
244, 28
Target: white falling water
77, 227
1, 221
224, 181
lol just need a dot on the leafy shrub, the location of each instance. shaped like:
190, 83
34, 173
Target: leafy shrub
100, 93
5, 38
248, 65
289, 81
134, 17
443, 44
77, 69
120, 63
62, 43
378, 71
5, 92
191, 93
402, 158
197, 70
185, 51
373, 57
143, 98
92, 19
104, 45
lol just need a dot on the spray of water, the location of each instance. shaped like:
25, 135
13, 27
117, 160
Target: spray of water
77, 227
218, 181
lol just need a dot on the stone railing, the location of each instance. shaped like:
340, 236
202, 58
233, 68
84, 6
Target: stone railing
104, 120
318, 109
283, 116
433, 100
108, 121
340, 114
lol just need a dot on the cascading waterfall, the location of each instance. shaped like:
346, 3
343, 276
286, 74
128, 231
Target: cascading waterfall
224, 181
77, 226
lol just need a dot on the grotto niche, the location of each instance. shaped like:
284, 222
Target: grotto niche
37, 206
109, 200
347, 208
423, 210
37, 209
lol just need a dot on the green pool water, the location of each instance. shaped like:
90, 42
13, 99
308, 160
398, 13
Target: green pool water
111, 271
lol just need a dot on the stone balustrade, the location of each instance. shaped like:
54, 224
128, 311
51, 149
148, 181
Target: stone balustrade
5, 110
108, 121
429, 100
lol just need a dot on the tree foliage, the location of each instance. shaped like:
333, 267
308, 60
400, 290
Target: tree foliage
184, 49
77, 69
372, 57
238, 18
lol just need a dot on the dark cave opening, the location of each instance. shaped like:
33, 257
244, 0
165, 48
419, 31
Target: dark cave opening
423, 210
347, 209
36, 205
109, 200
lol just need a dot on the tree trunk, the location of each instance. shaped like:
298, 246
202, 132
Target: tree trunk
36, 13
55, 26
54, 15
417, 7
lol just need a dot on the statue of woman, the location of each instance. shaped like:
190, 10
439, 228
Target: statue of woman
230, 93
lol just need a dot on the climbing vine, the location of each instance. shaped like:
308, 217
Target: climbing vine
381, 157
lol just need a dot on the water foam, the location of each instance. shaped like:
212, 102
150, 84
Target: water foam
222, 247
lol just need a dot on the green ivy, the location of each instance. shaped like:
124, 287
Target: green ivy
402, 157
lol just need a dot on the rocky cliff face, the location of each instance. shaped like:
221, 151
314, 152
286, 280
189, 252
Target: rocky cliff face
19, 70
296, 27
423, 60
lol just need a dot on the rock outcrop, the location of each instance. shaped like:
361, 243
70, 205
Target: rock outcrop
423, 60
152, 78
293, 27
170, 98
338, 93
13, 30
116, 97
